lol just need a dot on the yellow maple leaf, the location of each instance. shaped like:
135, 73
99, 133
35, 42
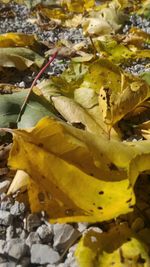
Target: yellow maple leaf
59, 174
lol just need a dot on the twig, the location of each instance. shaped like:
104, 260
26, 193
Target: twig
93, 45
34, 82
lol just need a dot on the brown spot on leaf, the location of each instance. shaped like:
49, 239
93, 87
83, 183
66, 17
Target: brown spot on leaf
41, 197
40, 145
131, 206
129, 200
112, 167
101, 192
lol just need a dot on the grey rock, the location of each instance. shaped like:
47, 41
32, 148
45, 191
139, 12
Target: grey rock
8, 264
15, 248
5, 217
17, 208
9, 232
33, 238
22, 84
2, 260
64, 236
2, 245
45, 233
22, 234
33, 222
4, 186
3, 231
71, 260
6, 204
43, 254
25, 262
82, 226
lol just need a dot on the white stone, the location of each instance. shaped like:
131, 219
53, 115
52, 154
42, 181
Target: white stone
15, 248
5, 217
43, 254
2, 245
64, 235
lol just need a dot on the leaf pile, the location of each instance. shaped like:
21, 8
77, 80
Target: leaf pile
79, 162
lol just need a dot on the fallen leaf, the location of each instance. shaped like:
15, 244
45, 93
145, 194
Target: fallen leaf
11, 105
119, 93
91, 206
106, 21
19, 57
106, 249
75, 6
20, 40
19, 183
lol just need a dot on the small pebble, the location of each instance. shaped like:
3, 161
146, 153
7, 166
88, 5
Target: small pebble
82, 227
15, 248
43, 254
9, 232
2, 245
17, 208
6, 204
33, 238
24, 262
5, 218
21, 84
33, 222
64, 235
45, 233
8, 264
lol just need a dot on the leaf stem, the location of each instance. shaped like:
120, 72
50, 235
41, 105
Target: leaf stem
34, 82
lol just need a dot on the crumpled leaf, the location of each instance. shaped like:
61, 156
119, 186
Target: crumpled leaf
20, 40
131, 48
19, 57
68, 81
119, 93
137, 37
76, 6
70, 110
55, 13
95, 249
88, 99
106, 21
46, 171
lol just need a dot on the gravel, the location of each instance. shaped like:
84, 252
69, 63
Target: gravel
139, 22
